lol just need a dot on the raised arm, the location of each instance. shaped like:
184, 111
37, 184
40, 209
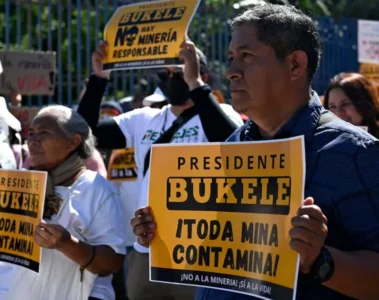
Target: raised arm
216, 123
108, 133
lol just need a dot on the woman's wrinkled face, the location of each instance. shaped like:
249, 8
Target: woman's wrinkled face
48, 145
343, 107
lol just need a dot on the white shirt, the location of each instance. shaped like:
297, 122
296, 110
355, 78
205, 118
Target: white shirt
90, 211
7, 161
142, 127
129, 193
7, 158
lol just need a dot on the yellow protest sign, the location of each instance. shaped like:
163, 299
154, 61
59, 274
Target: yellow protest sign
147, 35
371, 72
122, 166
223, 214
22, 196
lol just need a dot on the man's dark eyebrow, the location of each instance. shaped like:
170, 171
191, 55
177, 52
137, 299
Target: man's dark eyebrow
240, 48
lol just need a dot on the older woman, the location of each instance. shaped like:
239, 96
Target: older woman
82, 235
354, 99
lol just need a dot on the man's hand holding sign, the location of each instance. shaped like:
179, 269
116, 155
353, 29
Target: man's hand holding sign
308, 233
98, 58
191, 62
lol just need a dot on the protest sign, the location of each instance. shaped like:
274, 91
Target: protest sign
371, 72
29, 72
22, 196
122, 166
223, 214
147, 35
368, 41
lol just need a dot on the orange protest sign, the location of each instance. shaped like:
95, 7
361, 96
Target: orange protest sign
223, 214
122, 166
22, 196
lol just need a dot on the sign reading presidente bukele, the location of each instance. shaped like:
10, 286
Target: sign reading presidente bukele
149, 34
22, 197
223, 214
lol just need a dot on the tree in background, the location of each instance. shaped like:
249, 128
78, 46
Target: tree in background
73, 28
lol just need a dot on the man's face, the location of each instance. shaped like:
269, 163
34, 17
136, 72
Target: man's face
257, 77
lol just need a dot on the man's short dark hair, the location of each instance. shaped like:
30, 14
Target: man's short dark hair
286, 29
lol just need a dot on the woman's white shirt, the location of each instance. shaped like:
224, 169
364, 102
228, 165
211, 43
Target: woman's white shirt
91, 211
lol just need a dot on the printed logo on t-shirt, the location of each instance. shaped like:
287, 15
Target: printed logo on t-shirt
186, 132
151, 136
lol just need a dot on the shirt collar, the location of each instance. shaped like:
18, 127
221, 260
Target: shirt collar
303, 122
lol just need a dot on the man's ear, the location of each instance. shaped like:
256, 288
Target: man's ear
298, 62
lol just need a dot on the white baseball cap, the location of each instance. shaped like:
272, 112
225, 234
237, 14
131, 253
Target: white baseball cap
156, 97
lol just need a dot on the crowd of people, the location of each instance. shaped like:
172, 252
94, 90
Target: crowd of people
95, 233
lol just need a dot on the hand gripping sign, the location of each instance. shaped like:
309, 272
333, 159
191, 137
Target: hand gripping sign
147, 35
223, 215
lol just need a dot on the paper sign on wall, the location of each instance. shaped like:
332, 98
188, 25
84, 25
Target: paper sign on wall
368, 41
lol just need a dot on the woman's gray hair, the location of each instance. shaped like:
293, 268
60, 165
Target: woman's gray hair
72, 123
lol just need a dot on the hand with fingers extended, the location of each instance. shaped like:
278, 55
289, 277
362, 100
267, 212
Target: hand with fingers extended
143, 226
51, 236
308, 233
98, 57
191, 61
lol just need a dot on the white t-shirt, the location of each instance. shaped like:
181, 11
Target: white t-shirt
6, 275
91, 211
7, 158
129, 193
142, 127
7, 161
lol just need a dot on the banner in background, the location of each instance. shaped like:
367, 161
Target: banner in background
368, 41
22, 196
371, 72
223, 214
148, 35
28, 72
122, 166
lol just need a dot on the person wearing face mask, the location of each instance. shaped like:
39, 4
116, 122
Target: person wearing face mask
201, 120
